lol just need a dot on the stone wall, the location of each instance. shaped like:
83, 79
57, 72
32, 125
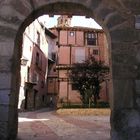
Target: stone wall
117, 17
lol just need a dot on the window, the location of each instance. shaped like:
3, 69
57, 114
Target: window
28, 74
79, 55
90, 38
38, 39
71, 33
37, 59
95, 52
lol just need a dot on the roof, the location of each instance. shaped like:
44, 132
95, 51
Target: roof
48, 32
77, 28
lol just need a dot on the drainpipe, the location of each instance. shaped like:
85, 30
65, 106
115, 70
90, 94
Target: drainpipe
68, 73
58, 65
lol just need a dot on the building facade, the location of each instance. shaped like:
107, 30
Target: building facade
78, 43
37, 41
52, 82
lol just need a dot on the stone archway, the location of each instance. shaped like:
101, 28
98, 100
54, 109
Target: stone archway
117, 19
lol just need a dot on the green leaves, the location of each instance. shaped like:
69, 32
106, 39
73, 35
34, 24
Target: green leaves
87, 76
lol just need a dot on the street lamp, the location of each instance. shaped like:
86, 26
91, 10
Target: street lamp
24, 61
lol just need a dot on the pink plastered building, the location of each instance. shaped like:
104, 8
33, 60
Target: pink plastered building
75, 44
37, 48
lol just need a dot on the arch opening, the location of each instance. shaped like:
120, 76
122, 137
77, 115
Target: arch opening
70, 9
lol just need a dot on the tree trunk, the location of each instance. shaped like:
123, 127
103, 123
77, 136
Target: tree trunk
95, 100
89, 103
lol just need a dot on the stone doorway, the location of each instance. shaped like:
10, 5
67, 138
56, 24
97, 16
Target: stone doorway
118, 21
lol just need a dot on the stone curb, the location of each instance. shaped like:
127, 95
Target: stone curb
83, 112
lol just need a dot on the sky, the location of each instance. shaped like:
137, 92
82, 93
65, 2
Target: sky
76, 21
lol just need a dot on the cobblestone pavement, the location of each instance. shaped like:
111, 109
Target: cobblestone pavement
46, 125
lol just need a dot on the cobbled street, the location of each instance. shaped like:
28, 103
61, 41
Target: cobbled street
47, 125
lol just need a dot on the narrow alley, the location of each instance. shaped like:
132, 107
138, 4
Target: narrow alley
47, 125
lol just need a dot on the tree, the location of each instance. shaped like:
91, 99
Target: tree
87, 77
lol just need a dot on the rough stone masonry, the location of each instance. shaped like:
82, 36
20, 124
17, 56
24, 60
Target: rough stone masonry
120, 21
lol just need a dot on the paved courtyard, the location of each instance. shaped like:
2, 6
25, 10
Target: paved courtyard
46, 125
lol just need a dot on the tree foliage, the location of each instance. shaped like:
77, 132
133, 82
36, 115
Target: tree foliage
87, 77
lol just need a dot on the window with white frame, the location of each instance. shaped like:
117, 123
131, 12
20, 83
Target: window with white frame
80, 55
91, 38
71, 33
